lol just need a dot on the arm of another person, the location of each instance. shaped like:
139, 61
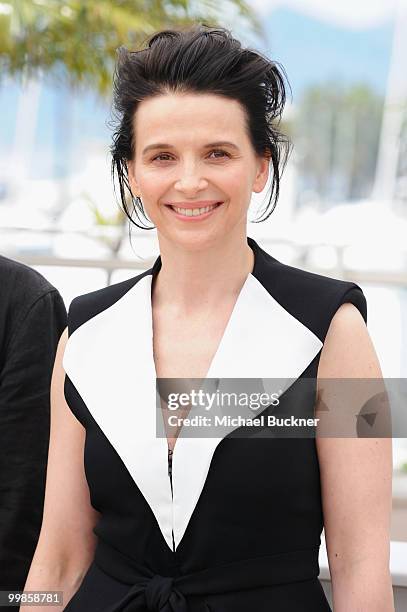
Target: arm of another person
356, 481
66, 543
31, 323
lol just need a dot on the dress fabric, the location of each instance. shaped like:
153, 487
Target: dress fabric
236, 524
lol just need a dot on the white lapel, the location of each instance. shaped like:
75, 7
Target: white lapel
262, 341
110, 361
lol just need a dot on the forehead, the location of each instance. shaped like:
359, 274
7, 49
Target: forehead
170, 117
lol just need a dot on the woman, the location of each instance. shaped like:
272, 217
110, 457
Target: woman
220, 523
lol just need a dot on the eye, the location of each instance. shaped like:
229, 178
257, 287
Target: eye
161, 155
220, 151
167, 155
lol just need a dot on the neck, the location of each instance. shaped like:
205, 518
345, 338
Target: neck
197, 279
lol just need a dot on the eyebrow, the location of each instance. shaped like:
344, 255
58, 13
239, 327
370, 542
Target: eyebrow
163, 145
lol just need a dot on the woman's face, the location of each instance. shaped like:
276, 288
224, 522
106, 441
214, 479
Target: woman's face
192, 151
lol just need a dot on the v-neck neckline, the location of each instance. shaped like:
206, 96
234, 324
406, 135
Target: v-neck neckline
110, 362
154, 270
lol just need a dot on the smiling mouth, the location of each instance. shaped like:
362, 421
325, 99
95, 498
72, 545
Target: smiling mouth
195, 212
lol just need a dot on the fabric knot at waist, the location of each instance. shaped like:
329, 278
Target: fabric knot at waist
158, 593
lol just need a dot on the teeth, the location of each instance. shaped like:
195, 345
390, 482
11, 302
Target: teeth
193, 212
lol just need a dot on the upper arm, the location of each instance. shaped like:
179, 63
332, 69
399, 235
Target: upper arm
66, 538
356, 473
34, 323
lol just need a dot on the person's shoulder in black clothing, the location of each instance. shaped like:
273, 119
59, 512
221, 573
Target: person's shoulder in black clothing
20, 288
32, 319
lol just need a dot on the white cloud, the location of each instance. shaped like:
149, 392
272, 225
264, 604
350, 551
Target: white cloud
348, 13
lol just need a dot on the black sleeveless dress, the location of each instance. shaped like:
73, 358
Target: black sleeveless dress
235, 524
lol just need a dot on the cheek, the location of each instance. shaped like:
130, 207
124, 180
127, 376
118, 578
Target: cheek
151, 182
236, 180
153, 188
231, 175
236, 184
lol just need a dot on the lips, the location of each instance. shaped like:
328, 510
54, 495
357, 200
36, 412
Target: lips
195, 210
198, 210
193, 205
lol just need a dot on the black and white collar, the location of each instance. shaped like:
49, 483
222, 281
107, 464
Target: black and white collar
109, 359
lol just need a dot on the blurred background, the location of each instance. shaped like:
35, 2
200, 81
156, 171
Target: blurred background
343, 205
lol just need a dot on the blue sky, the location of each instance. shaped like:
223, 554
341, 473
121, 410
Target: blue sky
313, 51
347, 13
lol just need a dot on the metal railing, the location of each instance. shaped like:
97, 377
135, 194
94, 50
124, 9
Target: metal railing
110, 264
380, 277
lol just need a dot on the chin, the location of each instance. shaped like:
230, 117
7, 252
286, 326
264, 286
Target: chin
194, 239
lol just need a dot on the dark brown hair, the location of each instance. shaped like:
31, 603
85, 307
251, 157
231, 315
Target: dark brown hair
199, 59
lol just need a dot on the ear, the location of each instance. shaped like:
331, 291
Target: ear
262, 174
134, 186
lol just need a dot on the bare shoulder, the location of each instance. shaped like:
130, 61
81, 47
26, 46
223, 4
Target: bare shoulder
348, 349
356, 473
66, 552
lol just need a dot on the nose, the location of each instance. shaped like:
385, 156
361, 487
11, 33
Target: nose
190, 180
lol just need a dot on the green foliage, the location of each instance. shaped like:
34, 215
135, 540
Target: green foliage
336, 134
76, 40
118, 218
